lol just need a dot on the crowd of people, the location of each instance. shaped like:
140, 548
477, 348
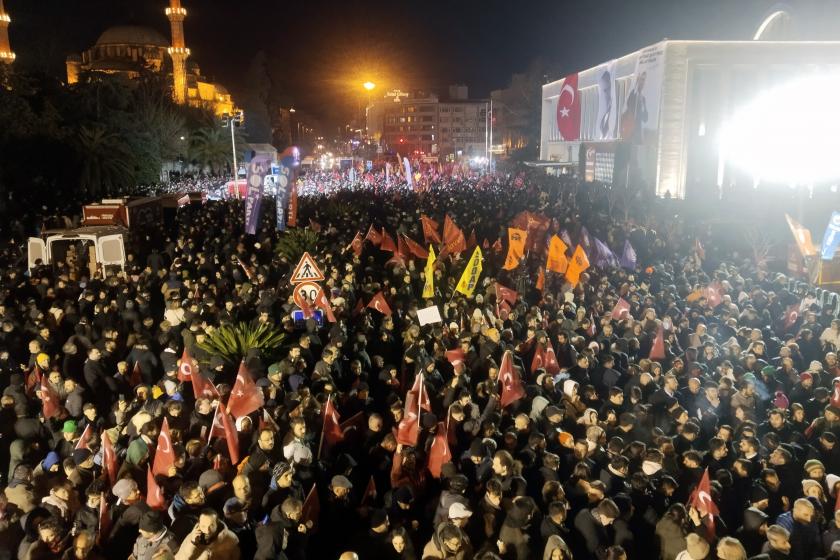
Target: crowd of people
703, 422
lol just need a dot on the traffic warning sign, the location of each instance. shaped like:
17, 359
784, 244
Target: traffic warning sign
306, 271
306, 292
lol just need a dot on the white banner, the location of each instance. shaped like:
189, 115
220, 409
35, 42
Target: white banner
607, 103
640, 116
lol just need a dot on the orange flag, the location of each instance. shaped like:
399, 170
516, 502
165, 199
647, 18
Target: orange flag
430, 229
578, 264
516, 247
415, 248
373, 236
557, 261
453, 238
387, 242
541, 279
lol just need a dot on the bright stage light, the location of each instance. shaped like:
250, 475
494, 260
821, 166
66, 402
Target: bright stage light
789, 134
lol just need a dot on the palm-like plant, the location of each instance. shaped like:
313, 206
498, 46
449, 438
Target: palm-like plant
210, 147
232, 342
106, 162
294, 242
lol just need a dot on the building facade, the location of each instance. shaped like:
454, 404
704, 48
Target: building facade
131, 50
654, 117
420, 124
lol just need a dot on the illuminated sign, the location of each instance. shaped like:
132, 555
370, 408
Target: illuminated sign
397, 95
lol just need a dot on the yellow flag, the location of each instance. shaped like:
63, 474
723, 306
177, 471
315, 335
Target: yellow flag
429, 286
469, 279
557, 261
516, 247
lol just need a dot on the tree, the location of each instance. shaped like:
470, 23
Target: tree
210, 147
106, 161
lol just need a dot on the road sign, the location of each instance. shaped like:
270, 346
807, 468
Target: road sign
306, 291
306, 271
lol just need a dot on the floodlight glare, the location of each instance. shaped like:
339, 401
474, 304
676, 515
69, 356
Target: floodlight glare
788, 134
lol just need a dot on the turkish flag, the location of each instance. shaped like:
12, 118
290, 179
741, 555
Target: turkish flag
568, 109
701, 499
50, 399
455, 356
154, 493
322, 303
539, 359
378, 302
370, 492
85, 439
497, 245
430, 227
712, 294
439, 452
791, 315
512, 389
550, 363
622, 308
245, 397
230, 434
109, 459
505, 294
657, 349
202, 388
185, 368
422, 395
387, 243
164, 454
592, 329
311, 507
373, 236
415, 248
357, 244
332, 423
104, 518
136, 378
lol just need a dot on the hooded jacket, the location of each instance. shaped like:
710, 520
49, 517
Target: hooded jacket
435, 549
224, 545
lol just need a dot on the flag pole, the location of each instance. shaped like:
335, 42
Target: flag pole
323, 427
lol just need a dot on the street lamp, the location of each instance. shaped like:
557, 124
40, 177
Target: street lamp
369, 86
231, 121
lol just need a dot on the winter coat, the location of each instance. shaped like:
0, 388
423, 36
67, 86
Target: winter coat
145, 549
671, 538
225, 545
434, 549
554, 542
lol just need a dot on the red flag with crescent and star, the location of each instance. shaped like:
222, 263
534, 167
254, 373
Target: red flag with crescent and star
378, 302
245, 397
185, 368
512, 389
568, 109
164, 454
701, 499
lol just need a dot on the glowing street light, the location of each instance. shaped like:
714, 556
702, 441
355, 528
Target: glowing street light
369, 86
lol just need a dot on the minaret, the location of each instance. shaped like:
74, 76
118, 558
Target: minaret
177, 51
6, 54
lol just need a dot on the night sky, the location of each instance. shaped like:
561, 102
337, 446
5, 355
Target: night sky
319, 52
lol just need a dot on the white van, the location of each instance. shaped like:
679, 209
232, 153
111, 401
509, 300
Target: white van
108, 243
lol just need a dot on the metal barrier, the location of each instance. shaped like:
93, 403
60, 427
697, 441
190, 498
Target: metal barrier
824, 297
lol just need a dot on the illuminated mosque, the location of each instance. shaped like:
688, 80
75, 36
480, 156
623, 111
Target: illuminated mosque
131, 49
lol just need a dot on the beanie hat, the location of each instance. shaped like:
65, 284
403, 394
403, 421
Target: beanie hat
209, 479
69, 427
831, 481
696, 546
812, 464
81, 455
781, 400
150, 522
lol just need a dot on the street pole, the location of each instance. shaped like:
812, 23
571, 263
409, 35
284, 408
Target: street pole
235, 164
487, 135
491, 136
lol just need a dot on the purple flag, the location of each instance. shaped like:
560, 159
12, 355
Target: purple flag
628, 258
585, 240
604, 256
258, 168
564, 235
